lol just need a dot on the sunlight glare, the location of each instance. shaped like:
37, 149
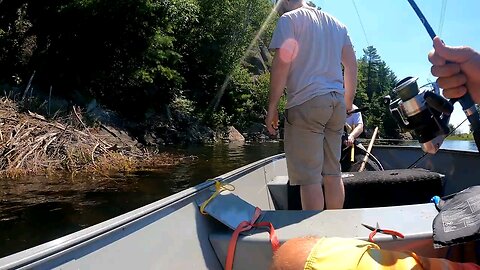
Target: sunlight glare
252, 43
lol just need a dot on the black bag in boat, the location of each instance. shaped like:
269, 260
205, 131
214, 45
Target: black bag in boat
459, 218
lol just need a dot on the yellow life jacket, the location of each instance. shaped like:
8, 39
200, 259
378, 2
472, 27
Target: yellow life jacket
345, 253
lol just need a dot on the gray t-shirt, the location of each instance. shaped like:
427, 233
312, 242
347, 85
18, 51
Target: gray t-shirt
316, 40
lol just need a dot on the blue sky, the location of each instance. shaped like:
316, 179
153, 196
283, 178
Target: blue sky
393, 28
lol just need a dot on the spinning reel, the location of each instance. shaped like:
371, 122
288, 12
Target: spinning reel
424, 113
427, 113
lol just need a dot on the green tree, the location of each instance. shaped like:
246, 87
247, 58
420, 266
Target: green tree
123, 48
376, 80
140, 56
222, 37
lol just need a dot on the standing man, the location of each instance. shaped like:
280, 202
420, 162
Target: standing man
310, 46
355, 124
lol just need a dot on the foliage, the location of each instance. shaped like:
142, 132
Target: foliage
16, 46
123, 48
248, 96
461, 137
225, 30
135, 56
219, 119
376, 80
182, 104
215, 59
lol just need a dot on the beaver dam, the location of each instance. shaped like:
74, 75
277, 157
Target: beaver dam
32, 144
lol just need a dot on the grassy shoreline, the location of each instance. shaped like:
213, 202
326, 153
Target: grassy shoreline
461, 137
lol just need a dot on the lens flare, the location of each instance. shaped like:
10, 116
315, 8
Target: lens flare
244, 56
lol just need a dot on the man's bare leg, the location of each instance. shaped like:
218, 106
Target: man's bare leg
334, 192
312, 197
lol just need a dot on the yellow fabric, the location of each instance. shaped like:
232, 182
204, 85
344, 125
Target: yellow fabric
219, 187
346, 253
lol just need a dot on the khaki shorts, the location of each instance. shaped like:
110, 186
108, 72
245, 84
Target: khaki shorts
313, 138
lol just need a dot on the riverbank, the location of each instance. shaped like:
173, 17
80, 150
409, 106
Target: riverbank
460, 137
34, 145
96, 141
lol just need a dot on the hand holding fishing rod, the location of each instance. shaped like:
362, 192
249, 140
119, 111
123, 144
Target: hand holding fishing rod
458, 72
458, 69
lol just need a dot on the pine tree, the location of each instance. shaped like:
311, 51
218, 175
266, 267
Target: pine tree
375, 80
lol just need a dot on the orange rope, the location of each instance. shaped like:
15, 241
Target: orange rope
245, 226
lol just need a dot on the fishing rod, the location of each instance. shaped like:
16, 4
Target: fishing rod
466, 100
426, 153
364, 109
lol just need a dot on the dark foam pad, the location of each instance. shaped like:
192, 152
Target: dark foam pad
458, 220
383, 188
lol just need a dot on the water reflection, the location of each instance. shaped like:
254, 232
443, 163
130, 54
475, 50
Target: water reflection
447, 144
459, 145
35, 210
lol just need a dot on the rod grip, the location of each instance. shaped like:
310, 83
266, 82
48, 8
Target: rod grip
473, 117
476, 137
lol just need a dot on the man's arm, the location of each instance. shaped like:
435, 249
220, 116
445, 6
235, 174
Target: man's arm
278, 80
349, 62
357, 131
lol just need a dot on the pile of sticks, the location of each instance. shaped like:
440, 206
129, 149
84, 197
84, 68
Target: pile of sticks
29, 143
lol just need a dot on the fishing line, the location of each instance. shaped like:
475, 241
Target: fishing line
361, 23
426, 153
442, 17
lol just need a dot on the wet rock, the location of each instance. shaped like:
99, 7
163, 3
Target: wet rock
234, 135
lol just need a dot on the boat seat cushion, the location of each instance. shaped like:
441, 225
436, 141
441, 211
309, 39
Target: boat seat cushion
383, 188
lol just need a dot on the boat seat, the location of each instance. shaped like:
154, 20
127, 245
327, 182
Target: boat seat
278, 188
382, 188
284, 196
254, 251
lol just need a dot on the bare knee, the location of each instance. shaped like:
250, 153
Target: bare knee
334, 192
332, 179
312, 197
293, 254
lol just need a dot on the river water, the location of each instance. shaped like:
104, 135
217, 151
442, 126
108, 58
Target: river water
459, 145
34, 210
